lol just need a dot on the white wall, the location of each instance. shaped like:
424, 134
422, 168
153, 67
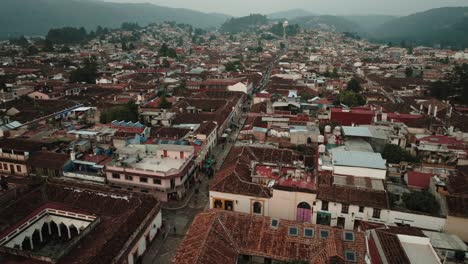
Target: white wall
141, 245
361, 172
386, 216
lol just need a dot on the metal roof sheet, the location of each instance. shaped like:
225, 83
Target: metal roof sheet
358, 159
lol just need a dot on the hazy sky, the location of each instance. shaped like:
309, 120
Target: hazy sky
245, 7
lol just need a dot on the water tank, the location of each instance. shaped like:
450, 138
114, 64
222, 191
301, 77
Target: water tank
322, 148
337, 131
320, 139
327, 129
459, 135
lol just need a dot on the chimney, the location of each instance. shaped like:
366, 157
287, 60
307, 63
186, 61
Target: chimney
450, 111
435, 111
72, 155
429, 110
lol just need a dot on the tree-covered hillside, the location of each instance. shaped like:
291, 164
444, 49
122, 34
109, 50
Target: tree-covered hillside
36, 17
236, 25
447, 27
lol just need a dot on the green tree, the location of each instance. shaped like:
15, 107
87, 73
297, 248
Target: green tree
32, 50
396, 154
409, 72
454, 85
87, 74
351, 98
127, 112
422, 201
305, 97
282, 46
163, 103
65, 49
231, 66
165, 64
21, 41
48, 46
354, 85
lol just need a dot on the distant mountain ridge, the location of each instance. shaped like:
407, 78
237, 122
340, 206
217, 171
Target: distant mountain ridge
290, 14
36, 17
447, 26
236, 25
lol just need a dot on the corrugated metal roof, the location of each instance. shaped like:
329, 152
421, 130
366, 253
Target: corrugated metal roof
358, 159
356, 131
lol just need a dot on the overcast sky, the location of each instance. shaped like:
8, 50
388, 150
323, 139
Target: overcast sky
340, 7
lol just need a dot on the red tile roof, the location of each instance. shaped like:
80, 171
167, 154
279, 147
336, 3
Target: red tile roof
221, 236
121, 214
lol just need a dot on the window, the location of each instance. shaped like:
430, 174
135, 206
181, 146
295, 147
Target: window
348, 236
18, 168
345, 208
129, 178
324, 233
274, 223
227, 205
157, 181
257, 208
181, 155
324, 206
350, 255
218, 204
361, 209
5, 166
292, 231
308, 232
143, 179
115, 176
165, 153
376, 213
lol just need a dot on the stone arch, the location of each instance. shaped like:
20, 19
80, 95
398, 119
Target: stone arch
74, 232
26, 243
63, 231
304, 205
37, 238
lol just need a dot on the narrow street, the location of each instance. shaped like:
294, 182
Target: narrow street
177, 221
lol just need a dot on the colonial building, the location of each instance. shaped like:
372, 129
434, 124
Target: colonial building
57, 223
163, 168
14, 155
230, 237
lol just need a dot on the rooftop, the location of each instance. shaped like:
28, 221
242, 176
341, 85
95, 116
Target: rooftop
358, 159
120, 214
222, 237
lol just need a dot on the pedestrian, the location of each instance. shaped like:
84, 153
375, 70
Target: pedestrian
175, 230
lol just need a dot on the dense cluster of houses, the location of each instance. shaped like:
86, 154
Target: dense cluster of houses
307, 178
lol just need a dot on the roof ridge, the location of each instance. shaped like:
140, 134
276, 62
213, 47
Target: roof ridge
207, 234
228, 234
251, 183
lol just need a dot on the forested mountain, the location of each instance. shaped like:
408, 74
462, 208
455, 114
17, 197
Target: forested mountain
326, 22
36, 17
235, 25
446, 26
368, 23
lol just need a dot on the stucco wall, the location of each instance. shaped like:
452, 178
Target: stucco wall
457, 226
